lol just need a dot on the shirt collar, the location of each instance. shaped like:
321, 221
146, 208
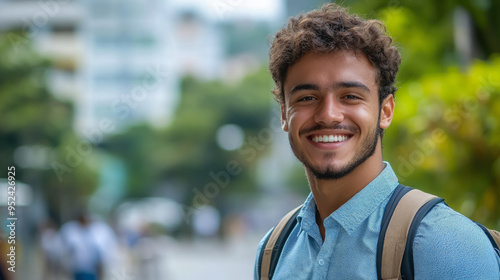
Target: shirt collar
352, 214
307, 215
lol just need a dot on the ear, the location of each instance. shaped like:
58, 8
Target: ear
387, 111
284, 121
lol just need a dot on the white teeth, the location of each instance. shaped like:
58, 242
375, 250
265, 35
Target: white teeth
329, 138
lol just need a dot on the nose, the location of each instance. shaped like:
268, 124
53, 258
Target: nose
329, 111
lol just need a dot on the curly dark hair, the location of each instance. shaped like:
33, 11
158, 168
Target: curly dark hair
330, 29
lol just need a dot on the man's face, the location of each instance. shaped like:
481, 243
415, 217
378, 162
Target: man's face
332, 112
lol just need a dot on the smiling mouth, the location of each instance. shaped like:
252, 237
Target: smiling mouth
329, 138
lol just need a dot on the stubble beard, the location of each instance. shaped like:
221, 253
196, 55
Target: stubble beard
329, 172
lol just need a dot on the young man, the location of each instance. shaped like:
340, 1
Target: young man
334, 75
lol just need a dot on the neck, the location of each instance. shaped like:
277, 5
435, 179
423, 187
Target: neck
332, 194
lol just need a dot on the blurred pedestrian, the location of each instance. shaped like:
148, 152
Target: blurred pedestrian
89, 245
52, 250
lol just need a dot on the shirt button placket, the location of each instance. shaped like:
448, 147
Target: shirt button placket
322, 269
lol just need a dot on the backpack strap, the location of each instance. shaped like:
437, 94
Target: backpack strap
403, 213
493, 236
407, 269
397, 194
272, 247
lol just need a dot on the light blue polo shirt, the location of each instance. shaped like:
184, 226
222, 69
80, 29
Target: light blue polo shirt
447, 244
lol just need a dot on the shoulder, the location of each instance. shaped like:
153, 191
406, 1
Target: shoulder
448, 245
259, 251
263, 241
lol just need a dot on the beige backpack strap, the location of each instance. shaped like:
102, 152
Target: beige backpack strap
496, 236
397, 232
493, 236
268, 250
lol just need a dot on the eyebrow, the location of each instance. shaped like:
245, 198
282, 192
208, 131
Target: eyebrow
303, 87
350, 84
337, 85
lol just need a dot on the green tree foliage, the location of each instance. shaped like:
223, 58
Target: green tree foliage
435, 19
445, 138
424, 31
135, 147
31, 117
185, 156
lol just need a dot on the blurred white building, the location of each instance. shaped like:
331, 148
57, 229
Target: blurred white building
126, 71
119, 61
51, 28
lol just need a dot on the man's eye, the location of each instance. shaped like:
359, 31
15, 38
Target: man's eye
350, 96
306, 98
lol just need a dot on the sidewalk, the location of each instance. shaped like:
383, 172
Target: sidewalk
194, 260
186, 260
213, 260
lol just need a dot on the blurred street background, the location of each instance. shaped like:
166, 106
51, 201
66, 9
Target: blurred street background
145, 140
